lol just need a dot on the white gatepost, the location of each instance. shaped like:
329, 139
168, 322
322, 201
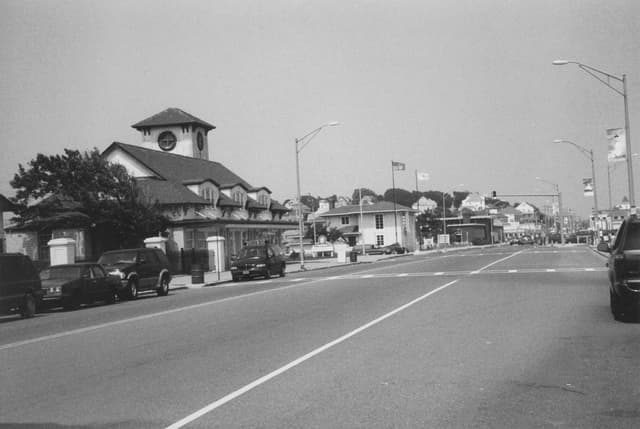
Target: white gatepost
215, 246
62, 251
341, 252
156, 242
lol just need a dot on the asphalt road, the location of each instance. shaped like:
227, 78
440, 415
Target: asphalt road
511, 337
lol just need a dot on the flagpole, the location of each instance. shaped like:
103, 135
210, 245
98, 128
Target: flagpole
417, 189
395, 213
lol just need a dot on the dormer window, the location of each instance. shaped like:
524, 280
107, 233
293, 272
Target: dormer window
167, 140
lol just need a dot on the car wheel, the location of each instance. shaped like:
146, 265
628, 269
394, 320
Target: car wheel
163, 290
28, 309
615, 305
110, 298
282, 270
132, 289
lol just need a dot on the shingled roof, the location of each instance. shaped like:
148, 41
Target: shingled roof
181, 169
380, 207
172, 116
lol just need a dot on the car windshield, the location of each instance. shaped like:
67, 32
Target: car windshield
252, 252
632, 241
128, 257
60, 273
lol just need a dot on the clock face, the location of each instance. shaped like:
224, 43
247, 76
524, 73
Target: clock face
200, 141
167, 140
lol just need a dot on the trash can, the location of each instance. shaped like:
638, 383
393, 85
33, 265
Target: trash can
197, 274
353, 256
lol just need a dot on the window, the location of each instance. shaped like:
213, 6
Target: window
345, 220
379, 221
380, 240
167, 140
195, 239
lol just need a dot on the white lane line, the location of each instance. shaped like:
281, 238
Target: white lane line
297, 280
262, 282
439, 273
403, 275
212, 406
550, 270
512, 271
589, 269
498, 261
367, 276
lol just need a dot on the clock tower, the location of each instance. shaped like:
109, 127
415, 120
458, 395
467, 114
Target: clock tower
176, 131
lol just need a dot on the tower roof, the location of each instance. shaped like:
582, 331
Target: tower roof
172, 116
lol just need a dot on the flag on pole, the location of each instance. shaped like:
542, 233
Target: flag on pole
422, 176
398, 166
588, 186
617, 145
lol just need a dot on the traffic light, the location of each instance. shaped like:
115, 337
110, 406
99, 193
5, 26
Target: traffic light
493, 194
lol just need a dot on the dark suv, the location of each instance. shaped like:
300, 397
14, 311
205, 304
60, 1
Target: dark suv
624, 270
138, 270
20, 285
258, 261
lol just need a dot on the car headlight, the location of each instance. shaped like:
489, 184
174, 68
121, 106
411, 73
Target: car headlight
261, 265
119, 274
233, 268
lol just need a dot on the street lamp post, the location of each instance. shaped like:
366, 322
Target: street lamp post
601, 75
559, 195
589, 154
300, 143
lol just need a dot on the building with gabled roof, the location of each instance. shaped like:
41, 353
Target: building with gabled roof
379, 224
201, 197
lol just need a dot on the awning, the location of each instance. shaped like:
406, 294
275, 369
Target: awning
349, 231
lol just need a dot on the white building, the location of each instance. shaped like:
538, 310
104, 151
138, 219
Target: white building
379, 224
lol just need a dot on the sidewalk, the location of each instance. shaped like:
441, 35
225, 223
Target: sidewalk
212, 278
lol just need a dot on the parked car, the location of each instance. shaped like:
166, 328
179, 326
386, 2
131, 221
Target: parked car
525, 239
358, 249
145, 269
391, 249
258, 261
624, 270
72, 285
20, 286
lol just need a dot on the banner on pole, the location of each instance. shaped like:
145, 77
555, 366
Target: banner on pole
422, 176
398, 166
617, 145
588, 186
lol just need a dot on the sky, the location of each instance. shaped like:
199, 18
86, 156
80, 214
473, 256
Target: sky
463, 90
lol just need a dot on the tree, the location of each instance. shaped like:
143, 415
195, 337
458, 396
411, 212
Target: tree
355, 196
84, 190
402, 197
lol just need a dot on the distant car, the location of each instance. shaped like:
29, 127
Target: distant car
72, 285
391, 249
20, 285
138, 270
367, 249
525, 239
623, 273
259, 260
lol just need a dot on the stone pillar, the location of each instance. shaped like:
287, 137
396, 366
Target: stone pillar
62, 251
215, 246
156, 242
341, 252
